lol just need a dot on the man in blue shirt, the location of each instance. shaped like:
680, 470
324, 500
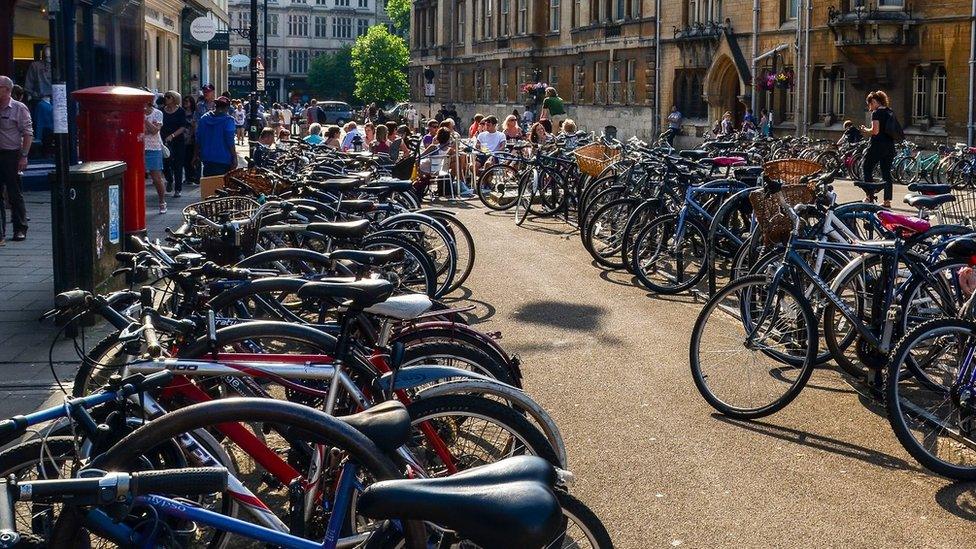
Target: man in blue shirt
215, 139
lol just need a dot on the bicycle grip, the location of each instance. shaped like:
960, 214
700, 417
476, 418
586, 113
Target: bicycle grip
179, 482
153, 348
71, 298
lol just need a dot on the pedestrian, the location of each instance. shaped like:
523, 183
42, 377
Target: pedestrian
851, 134
314, 136
275, 117
16, 136
674, 125
552, 106
749, 117
191, 169
206, 103
264, 151
727, 127
883, 133
381, 145
412, 118
240, 117
153, 146
765, 123
174, 137
332, 139
286, 118
476, 127
215, 140
310, 115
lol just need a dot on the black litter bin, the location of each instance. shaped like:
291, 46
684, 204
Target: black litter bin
87, 227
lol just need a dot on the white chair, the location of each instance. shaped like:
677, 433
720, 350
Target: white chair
439, 169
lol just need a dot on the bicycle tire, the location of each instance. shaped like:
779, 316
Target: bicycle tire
585, 519
702, 381
664, 227
903, 432
615, 208
464, 243
318, 426
486, 182
414, 254
443, 352
476, 407
522, 203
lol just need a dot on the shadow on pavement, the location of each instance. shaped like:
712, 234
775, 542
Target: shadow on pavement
562, 314
821, 442
482, 310
958, 498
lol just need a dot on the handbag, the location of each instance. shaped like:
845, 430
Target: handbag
166, 152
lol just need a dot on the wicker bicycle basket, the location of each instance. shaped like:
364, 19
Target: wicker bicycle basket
592, 159
774, 225
249, 181
963, 210
224, 245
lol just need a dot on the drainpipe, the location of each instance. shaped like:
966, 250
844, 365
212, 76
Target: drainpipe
972, 73
656, 123
755, 54
806, 67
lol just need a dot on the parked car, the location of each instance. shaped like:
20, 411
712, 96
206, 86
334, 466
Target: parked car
337, 112
396, 113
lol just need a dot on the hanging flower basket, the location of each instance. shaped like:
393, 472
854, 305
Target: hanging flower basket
785, 80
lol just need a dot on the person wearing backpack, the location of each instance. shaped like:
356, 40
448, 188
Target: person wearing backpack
885, 132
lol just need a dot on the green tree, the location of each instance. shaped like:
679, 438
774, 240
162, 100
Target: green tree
379, 62
331, 76
399, 12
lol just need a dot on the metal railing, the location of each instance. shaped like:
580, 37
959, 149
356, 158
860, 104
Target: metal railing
614, 95
600, 93
631, 93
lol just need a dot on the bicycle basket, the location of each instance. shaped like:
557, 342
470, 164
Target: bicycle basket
223, 244
592, 159
250, 181
963, 210
791, 170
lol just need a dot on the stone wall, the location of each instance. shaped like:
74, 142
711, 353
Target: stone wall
630, 121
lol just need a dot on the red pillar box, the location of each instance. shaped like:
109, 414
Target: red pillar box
111, 123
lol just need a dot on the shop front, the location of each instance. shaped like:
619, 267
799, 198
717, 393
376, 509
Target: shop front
239, 87
162, 45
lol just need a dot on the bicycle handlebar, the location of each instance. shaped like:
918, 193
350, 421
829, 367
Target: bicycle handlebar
113, 486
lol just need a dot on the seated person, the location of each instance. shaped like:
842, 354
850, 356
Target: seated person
490, 140
851, 134
332, 140
314, 136
569, 133
441, 147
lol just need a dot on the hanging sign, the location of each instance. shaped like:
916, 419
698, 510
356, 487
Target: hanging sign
203, 28
239, 61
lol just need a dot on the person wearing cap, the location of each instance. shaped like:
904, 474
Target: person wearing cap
215, 140
206, 104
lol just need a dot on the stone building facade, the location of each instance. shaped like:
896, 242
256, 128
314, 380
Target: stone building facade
299, 31
602, 57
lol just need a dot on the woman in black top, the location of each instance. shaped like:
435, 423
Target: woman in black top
173, 135
191, 169
882, 147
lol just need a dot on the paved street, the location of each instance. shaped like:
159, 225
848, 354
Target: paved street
610, 363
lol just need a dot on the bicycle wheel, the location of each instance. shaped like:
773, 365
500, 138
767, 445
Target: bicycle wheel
463, 244
457, 432
303, 423
583, 528
737, 365
498, 187
604, 241
931, 415
550, 193
667, 262
416, 273
523, 202
26, 462
642, 215
436, 242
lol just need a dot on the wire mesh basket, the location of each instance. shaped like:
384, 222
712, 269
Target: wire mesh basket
592, 159
963, 210
774, 225
238, 231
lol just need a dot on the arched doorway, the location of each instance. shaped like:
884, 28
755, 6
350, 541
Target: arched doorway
724, 90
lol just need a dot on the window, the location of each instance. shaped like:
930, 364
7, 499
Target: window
920, 96
522, 15
504, 17
460, 23
789, 101
793, 8
362, 26
618, 9
271, 63
578, 86
342, 3
364, 3
243, 19
698, 11
273, 26
342, 27
553, 76
502, 85
688, 96
630, 89
577, 13
891, 4
321, 2
298, 1
840, 92
823, 103
635, 9
298, 61
489, 29
554, 15
600, 82
939, 94
297, 25
321, 27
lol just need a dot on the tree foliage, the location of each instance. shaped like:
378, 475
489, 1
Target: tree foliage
331, 76
399, 12
379, 62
